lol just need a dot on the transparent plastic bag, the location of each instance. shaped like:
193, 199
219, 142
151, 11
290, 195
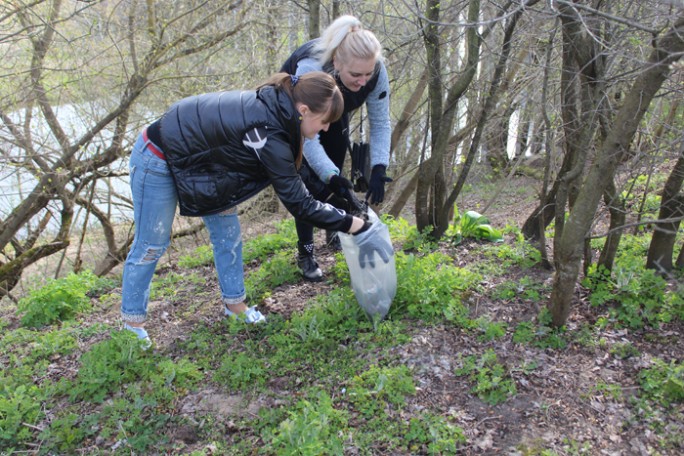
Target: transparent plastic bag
374, 286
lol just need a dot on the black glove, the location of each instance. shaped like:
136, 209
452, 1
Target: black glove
376, 186
339, 203
340, 185
369, 242
343, 188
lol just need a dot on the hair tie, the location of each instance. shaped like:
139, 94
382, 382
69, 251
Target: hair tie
294, 79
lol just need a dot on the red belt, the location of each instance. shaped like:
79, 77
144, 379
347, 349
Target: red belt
150, 145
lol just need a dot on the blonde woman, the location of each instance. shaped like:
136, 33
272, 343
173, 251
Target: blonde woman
353, 56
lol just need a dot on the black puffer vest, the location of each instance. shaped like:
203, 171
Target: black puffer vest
222, 148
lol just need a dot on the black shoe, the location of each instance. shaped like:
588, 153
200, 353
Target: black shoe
332, 240
307, 263
309, 268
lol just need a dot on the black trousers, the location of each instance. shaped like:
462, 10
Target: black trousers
335, 142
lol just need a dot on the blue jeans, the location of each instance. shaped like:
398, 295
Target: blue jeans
154, 208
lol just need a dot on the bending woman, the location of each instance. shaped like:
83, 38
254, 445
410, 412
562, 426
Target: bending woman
353, 56
210, 152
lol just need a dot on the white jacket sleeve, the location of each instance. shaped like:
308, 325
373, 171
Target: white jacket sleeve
378, 106
314, 153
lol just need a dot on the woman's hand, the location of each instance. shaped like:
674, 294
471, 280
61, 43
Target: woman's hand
343, 188
359, 225
376, 186
369, 243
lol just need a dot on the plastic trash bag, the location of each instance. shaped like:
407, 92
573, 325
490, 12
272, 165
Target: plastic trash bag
374, 286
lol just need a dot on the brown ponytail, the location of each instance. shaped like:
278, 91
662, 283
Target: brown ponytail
316, 89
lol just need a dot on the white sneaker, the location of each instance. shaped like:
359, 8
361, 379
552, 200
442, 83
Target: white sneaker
143, 337
250, 316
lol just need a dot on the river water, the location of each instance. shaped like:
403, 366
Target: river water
16, 182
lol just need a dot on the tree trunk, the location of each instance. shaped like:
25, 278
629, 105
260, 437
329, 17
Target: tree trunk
661, 249
616, 206
580, 82
489, 106
581, 101
314, 18
496, 141
535, 225
409, 110
442, 114
569, 247
679, 264
404, 196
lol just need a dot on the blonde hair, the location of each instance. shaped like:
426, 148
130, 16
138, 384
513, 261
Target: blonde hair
346, 39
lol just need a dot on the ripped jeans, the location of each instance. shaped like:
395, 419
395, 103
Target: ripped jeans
154, 208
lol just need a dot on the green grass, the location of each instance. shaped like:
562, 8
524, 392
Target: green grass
334, 382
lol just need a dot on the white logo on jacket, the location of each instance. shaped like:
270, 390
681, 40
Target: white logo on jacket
255, 139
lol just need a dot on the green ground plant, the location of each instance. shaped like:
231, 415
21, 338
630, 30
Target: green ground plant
64, 434
60, 299
589, 337
642, 195
258, 248
429, 288
492, 381
472, 224
323, 343
310, 428
664, 382
399, 228
575, 448
624, 350
27, 355
327, 345
378, 389
262, 247
632, 247
525, 288
241, 371
635, 296
519, 254
279, 270
20, 404
107, 366
541, 334
135, 421
433, 434
201, 256
489, 330
173, 286
32, 347
535, 449
611, 391
420, 241
140, 385
120, 360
